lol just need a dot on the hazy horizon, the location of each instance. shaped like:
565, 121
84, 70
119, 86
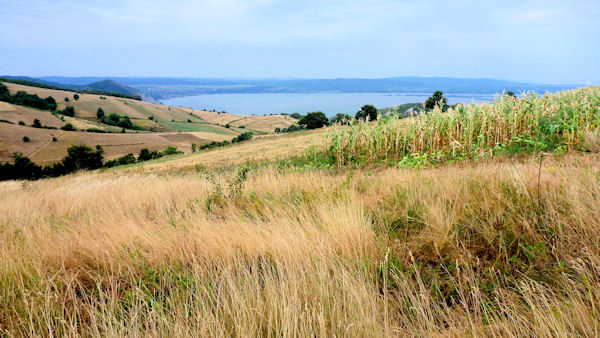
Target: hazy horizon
537, 41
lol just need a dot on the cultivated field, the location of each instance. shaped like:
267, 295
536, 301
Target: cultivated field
166, 118
172, 126
330, 232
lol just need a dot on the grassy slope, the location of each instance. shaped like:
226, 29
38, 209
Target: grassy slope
166, 119
164, 116
496, 246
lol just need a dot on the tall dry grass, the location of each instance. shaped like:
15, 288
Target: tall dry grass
451, 251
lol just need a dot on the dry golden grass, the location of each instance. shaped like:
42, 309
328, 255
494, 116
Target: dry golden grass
42, 150
266, 123
454, 251
260, 148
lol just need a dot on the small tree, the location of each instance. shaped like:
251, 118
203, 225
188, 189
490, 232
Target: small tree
36, 123
278, 130
341, 118
100, 113
76, 97
66, 99
26, 139
21, 123
367, 112
314, 120
436, 99
194, 147
69, 111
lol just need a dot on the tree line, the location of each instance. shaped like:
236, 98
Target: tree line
368, 112
79, 157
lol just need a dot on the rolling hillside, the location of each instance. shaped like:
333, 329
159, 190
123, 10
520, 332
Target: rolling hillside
163, 125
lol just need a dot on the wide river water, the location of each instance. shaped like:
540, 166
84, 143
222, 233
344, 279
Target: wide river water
329, 103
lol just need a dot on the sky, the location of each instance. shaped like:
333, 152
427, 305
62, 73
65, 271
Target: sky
540, 41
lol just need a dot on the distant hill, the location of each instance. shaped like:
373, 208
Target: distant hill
102, 87
161, 88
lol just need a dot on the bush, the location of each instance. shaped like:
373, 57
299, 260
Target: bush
21, 98
115, 119
189, 121
95, 130
296, 116
151, 118
278, 130
68, 127
76, 97
367, 112
26, 139
100, 113
314, 120
242, 137
21, 123
146, 155
171, 150
293, 127
36, 124
66, 99
69, 111
127, 159
54, 139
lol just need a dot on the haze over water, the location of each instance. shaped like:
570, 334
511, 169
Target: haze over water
328, 103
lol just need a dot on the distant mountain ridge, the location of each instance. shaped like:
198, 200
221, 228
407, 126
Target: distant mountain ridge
162, 88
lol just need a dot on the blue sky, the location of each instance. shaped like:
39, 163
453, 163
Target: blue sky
537, 41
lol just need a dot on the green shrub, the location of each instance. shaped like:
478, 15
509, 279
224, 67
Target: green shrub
68, 127
69, 111
26, 139
171, 150
242, 137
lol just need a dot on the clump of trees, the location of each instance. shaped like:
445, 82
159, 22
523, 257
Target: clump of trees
117, 120
242, 137
21, 98
314, 120
79, 157
68, 111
